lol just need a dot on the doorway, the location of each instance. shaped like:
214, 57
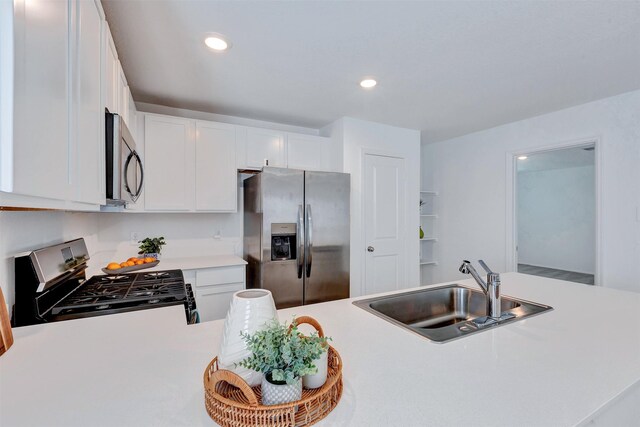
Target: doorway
556, 213
384, 223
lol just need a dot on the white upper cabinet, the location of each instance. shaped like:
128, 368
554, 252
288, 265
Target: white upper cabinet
287, 150
189, 165
315, 153
123, 95
215, 171
304, 152
36, 159
111, 74
53, 148
88, 113
169, 163
132, 115
308, 152
264, 145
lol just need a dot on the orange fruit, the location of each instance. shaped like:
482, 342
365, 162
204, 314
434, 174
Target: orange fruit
130, 263
134, 259
149, 259
113, 266
123, 264
138, 262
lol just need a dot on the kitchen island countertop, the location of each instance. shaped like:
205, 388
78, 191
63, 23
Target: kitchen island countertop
145, 367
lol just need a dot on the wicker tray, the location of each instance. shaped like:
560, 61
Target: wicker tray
231, 402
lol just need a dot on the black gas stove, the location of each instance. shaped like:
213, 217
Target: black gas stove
50, 290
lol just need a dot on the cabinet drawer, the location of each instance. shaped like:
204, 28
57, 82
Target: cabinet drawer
213, 301
220, 275
189, 276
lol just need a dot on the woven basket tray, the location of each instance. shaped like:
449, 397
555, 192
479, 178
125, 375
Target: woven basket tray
231, 402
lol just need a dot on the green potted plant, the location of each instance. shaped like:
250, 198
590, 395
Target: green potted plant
284, 355
151, 247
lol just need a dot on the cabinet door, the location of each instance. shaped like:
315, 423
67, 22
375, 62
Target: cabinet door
216, 174
123, 97
40, 142
132, 122
111, 75
213, 301
305, 152
169, 163
88, 118
265, 144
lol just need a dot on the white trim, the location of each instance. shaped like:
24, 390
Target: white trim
510, 206
364, 151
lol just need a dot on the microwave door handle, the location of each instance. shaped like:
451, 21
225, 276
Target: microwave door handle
139, 162
127, 163
300, 241
309, 240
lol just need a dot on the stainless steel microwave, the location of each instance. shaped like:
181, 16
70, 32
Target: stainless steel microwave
125, 172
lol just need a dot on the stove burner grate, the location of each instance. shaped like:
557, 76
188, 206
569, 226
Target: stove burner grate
125, 290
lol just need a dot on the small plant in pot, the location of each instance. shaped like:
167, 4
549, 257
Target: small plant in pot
151, 247
284, 355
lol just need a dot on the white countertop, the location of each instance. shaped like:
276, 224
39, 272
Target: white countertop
183, 263
146, 367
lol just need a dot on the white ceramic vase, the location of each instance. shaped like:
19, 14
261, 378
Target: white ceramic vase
249, 311
318, 379
276, 394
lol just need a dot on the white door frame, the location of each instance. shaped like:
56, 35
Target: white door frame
511, 258
365, 151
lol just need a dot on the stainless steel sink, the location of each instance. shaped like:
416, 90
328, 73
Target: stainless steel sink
445, 313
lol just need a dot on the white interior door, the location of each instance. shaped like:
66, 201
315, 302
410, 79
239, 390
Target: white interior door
384, 221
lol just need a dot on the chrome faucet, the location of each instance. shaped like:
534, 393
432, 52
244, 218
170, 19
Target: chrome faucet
491, 287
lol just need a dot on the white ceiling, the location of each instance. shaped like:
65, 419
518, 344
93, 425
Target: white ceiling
446, 68
557, 159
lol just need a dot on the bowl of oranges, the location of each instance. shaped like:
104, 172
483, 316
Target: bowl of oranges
132, 264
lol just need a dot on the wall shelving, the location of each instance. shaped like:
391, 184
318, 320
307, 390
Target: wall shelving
428, 217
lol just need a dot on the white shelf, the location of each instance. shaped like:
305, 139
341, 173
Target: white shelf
432, 193
429, 215
427, 262
429, 239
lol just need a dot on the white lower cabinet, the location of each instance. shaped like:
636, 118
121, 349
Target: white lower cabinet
214, 289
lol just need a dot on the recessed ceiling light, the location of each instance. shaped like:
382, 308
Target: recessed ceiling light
216, 43
368, 83
522, 157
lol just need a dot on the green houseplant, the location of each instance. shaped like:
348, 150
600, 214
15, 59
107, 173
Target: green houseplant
284, 355
151, 246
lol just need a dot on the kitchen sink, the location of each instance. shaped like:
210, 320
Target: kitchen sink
448, 312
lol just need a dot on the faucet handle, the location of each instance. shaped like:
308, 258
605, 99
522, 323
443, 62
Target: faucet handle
493, 278
485, 266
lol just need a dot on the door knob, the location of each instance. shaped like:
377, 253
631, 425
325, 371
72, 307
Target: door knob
370, 249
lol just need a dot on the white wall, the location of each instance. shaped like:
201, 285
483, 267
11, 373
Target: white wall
186, 234
25, 231
357, 135
470, 171
556, 218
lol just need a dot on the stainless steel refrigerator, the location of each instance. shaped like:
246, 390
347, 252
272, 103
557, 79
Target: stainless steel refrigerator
296, 235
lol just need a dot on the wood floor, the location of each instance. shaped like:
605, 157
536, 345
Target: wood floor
570, 276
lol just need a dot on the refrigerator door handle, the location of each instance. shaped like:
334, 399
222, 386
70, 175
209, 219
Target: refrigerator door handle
301, 240
309, 240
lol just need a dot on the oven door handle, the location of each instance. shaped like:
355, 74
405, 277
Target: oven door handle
133, 155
